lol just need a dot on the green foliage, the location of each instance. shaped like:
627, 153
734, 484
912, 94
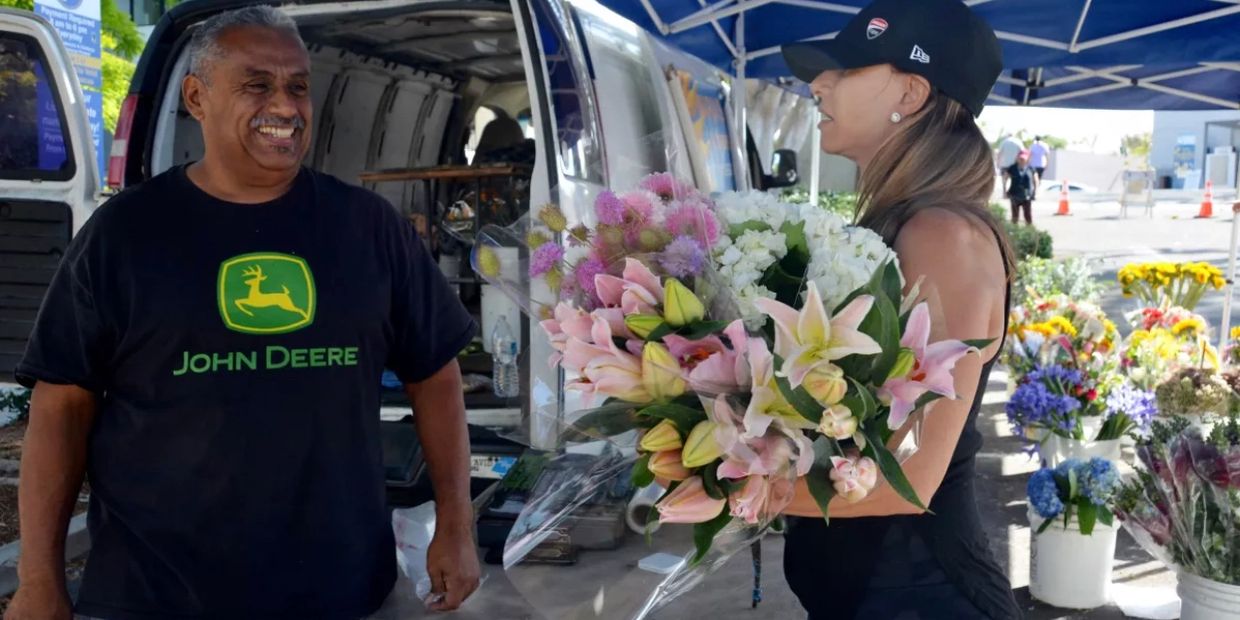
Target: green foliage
1041, 277
843, 204
1028, 241
126, 42
25, 5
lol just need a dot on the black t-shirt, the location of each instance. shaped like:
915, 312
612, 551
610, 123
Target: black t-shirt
235, 462
1021, 183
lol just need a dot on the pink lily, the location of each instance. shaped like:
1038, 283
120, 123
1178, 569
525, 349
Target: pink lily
767, 404
567, 322
637, 292
931, 372
761, 499
760, 455
812, 337
606, 368
725, 370
689, 503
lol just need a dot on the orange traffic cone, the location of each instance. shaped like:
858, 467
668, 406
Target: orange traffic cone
1063, 199
1207, 203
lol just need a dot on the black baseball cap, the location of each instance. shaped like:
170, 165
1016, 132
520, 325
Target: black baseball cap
940, 40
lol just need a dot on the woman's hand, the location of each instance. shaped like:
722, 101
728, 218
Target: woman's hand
963, 280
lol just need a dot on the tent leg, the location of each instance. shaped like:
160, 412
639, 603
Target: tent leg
1225, 331
740, 94
815, 157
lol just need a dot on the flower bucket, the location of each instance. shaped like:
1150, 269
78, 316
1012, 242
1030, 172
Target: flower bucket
1068, 569
1056, 450
1203, 599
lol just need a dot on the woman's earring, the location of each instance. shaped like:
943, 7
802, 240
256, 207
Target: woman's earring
895, 117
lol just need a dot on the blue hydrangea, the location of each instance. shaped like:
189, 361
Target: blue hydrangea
1139, 405
1035, 403
1097, 480
1068, 466
1044, 494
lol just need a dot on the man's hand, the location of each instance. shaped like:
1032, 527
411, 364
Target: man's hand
40, 601
452, 562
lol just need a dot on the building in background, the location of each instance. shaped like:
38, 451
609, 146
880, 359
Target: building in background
1192, 146
145, 13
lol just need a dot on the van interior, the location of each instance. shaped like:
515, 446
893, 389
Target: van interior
430, 108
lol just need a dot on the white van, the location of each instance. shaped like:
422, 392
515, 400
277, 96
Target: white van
580, 100
48, 181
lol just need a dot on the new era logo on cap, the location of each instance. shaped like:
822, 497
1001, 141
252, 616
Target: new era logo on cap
920, 55
877, 27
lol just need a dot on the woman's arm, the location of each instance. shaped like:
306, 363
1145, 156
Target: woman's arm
963, 281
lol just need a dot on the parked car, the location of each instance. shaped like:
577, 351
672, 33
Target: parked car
48, 182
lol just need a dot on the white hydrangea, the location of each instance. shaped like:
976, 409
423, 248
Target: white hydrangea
734, 208
843, 258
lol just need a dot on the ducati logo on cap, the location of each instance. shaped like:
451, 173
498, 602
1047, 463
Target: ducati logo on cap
876, 28
920, 55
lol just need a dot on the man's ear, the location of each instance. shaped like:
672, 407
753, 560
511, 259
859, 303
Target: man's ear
194, 94
916, 92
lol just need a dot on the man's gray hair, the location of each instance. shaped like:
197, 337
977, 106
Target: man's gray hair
204, 46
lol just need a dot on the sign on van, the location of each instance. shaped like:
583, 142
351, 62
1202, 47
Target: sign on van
78, 24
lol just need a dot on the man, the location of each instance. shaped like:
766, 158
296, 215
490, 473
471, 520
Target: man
210, 351
1008, 149
1039, 157
1021, 188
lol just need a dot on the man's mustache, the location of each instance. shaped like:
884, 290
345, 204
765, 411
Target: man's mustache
295, 122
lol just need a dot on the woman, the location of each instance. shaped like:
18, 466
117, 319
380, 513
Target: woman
899, 87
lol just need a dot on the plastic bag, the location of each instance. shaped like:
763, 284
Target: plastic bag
414, 528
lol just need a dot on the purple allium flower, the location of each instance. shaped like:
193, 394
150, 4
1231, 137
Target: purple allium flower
544, 258
609, 208
683, 257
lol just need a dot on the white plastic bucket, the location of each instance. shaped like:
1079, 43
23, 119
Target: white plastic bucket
1056, 450
1068, 569
1202, 599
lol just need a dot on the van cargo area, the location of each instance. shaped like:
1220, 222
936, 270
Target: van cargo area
429, 108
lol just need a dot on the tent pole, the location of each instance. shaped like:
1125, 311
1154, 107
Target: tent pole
739, 94
1225, 332
815, 157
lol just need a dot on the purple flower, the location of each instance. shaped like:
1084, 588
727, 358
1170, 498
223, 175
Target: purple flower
609, 208
1041, 400
545, 258
667, 187
1138, 404
683, 257
586, 270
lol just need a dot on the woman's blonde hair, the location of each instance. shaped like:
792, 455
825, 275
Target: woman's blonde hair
939, 158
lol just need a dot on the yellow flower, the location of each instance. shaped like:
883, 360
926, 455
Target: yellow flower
1194, 324
488, 262
535, 239
1062, 325
701, 448
661, 374
662, 437
553, 218
1235, 333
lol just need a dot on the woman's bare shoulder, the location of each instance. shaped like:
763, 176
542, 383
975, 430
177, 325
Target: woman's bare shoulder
945, 237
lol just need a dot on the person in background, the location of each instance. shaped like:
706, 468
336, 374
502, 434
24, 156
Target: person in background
1021, 187
1039, 157
1008, 150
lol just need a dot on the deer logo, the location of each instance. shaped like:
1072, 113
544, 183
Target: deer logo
259, 299
266, 293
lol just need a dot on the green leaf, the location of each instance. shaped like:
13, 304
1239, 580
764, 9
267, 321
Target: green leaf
1087, 514
1073, 485
860, 401
642, 476
886, 331
702, 329
798, 398
890, 468
704, 534
1045, 524
798, 245
979, 343
737, 230
685, 418
785, 281
819, 478
606, 421
926, 399
891, 283
710, 481
659, 332
1105, 516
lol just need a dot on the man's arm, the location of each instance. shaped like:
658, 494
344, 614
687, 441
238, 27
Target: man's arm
439, 409
52, 468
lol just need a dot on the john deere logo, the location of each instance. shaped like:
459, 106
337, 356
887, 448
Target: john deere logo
266, 293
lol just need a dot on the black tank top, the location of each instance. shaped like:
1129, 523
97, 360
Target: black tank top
837, 564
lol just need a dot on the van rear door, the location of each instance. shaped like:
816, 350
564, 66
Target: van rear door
48, 182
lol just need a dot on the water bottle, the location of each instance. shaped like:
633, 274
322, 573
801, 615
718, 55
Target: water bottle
505, 374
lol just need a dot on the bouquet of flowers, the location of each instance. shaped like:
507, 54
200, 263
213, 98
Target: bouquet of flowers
1055, 330
730, 348
1193, 392
1183, 504
1179, 284
1081, 489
